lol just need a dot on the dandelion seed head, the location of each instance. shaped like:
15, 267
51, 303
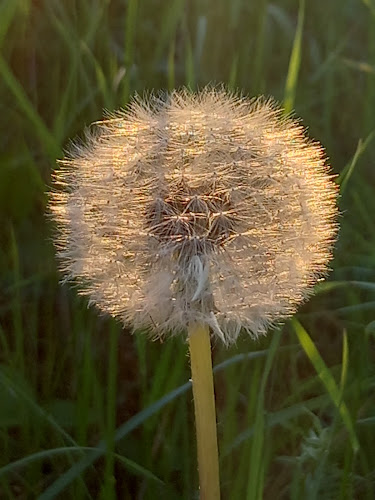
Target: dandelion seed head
198, 207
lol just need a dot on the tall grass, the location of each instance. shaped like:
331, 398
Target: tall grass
89, 411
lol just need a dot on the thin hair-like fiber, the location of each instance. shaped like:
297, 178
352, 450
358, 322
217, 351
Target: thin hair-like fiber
205, 207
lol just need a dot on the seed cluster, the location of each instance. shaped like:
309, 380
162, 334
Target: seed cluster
192, 223
197, 207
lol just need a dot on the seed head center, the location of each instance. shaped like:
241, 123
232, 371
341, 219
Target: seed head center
192, 223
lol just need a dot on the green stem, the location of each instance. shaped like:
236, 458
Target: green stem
205, 415
109, 483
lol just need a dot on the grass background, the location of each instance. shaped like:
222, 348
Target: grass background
89, 411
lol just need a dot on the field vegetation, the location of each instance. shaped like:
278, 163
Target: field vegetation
88, 410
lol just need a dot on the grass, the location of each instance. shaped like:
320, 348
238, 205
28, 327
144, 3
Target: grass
89, 411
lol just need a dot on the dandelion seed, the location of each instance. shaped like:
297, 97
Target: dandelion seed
203, 207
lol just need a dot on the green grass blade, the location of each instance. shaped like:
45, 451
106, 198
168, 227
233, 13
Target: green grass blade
49, 143
130, 27
295, 62
256, 468
259, 59
344, 363
8, 382
8, 10
189, 66
108, 488
137, 469
71, 474
171, 67
345, 175
42, 455
171, 16
327, 379
65, 479
281, 417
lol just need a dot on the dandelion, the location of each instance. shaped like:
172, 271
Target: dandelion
205, 207
196, 212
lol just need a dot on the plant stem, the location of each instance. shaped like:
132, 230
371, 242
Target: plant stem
205, 416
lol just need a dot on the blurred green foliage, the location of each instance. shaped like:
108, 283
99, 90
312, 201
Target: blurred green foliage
80, 412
